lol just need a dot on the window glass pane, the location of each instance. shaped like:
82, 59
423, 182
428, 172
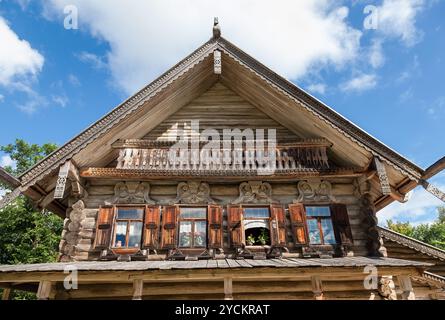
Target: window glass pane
200, 234
314, 233
185, 234
318, 211
130, 213
328, 231
134, 238
256, 213
193, 213
121, 233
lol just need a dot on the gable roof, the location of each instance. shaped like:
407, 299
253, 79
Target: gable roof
412, 243
316, 107
9, 179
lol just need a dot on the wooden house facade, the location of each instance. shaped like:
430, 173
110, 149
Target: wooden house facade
299, 222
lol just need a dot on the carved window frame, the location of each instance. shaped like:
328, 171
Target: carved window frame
126, 250
178, 227
319, 226
267, 220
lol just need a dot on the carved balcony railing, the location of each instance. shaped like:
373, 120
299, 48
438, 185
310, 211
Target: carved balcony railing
159, 156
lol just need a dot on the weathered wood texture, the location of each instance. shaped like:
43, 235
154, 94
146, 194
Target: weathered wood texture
219, 108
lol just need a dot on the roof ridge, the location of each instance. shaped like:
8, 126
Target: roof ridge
412, 243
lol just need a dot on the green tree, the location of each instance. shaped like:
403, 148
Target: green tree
433, 233
26, 234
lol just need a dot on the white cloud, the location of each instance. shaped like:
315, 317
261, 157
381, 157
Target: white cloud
60, 100
2, 98
421, 208
397, 18
6, 161
18, 60
74, 80
319, 88
93, 59
360, 83
376, 56
148, 37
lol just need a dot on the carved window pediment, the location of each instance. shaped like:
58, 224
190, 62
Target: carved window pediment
194, 192
254, 192
313, 190
131, 193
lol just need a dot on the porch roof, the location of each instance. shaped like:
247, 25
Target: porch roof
215, 264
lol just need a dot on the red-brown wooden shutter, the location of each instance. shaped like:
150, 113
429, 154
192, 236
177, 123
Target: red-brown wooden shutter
151, 227
215, 227
169, 223
278, 226
340, 220
103, 227
297, 215
236, 230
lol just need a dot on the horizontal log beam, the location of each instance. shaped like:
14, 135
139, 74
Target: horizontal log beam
325, 273
147, 175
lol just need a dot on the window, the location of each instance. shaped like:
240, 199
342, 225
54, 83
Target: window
128, 228
257, 225
320, 228
192, 228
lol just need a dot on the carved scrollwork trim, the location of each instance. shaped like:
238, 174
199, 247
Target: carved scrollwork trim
131, 193
318, 191
254, 192
193, 192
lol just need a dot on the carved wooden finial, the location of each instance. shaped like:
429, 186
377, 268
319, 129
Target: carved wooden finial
216, 29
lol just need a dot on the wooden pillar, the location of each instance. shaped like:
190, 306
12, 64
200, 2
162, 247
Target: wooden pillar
228, 289
6, 294
45, 290
317, 287
138, 287
406, 287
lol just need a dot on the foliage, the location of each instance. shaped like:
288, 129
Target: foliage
433, 233
27, 235
250, 240
263, 238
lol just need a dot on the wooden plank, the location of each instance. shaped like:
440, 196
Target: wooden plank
44, 291
6, 294
228, 288
138, 287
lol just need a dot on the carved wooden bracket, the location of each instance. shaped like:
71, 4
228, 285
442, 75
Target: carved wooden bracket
383, 177
68, 172
314, 191
254, 192
193, 192
131, 193
433, 190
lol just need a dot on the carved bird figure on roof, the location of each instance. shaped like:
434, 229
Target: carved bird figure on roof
216, 29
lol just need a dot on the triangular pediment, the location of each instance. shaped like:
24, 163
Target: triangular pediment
244, 94
219, 108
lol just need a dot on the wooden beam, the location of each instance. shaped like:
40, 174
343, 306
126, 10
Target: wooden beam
228, 288
6, 294
47, 200
325, 273
138, 288
317, 287
406, 287
45, 290
433, 190
149, 175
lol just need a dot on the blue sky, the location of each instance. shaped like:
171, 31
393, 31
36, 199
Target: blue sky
389, 79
